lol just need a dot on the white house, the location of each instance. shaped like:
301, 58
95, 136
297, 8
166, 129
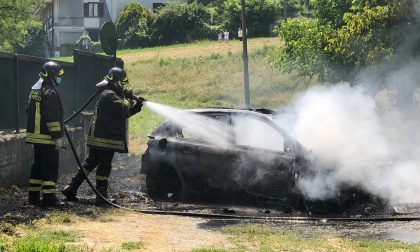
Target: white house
67, 20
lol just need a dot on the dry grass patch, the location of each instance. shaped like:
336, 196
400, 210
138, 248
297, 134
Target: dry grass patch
200, 49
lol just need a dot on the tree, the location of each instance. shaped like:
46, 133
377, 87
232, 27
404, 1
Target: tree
134, 25
303, 50
331, 11
260, 14
33, 42
180, 23
17, 16
346, 37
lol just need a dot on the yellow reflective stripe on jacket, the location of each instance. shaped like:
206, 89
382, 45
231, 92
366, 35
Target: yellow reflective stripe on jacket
34, 189
54, 126
35, 181
37, 129
39, 138
126, 103
106, 143
47, 191
101, 178
54, 129
48, 183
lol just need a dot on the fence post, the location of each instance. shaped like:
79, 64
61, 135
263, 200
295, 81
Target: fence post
75, 59
16, 92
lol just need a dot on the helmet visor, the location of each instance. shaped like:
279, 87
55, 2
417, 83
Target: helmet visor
124, 82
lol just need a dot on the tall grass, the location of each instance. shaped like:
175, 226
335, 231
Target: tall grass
212, 81
50, 241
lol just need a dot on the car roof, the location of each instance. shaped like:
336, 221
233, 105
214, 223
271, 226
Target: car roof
257, 112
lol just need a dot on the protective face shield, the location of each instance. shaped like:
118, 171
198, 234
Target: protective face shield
124, 84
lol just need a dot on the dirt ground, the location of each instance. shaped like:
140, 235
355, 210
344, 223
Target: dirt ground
101, 229
200, 50
108, 231
158, 233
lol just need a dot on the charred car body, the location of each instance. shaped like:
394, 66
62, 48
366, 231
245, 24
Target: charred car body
262, 162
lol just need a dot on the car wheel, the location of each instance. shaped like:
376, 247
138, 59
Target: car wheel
164, 184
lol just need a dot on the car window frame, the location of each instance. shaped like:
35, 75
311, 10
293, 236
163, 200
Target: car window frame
210, 114
270, 122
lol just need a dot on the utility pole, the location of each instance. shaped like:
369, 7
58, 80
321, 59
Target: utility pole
245, 57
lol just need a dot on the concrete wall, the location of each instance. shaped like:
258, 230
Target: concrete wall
16, 157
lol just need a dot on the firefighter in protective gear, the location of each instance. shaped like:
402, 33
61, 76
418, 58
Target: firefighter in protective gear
45, 131
107, 132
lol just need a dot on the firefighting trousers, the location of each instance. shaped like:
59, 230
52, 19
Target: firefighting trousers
44, 170
102, 159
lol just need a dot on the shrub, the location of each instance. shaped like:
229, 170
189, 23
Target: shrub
93, 46
260, 14
305, 40
133, 25
180, 23
33, 42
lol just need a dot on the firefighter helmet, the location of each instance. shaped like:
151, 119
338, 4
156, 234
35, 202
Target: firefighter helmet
116, 75
51, 69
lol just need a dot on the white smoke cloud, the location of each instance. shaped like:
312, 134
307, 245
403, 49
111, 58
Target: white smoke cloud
358, 143
358, 137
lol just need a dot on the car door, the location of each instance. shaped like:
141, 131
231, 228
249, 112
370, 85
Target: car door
202, 163
258, 162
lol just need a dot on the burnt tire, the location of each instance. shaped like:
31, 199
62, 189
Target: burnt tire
164, 184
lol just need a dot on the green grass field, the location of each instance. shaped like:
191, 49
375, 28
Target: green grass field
247, 237
264, 238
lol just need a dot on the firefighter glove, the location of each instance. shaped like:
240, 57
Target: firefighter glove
141, 100
129, 94
137, 108
58, 144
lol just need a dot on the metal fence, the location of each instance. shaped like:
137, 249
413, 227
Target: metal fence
19, 72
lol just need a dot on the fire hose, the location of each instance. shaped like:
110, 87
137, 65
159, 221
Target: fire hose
220, 216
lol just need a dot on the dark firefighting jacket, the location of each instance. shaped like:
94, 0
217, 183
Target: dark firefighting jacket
45, 114
109, 124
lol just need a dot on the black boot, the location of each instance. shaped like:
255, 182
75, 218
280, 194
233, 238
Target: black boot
102, 187
34, 198
51, 200
70, 191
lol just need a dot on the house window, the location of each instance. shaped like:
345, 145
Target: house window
93, 9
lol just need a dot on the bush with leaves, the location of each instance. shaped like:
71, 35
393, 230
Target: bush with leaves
364, 39
18, 24
133, 26
261, 15
303, 52
180, 23
345, 37
33, 42
331, 11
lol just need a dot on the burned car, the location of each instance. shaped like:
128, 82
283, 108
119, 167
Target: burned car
242, 151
